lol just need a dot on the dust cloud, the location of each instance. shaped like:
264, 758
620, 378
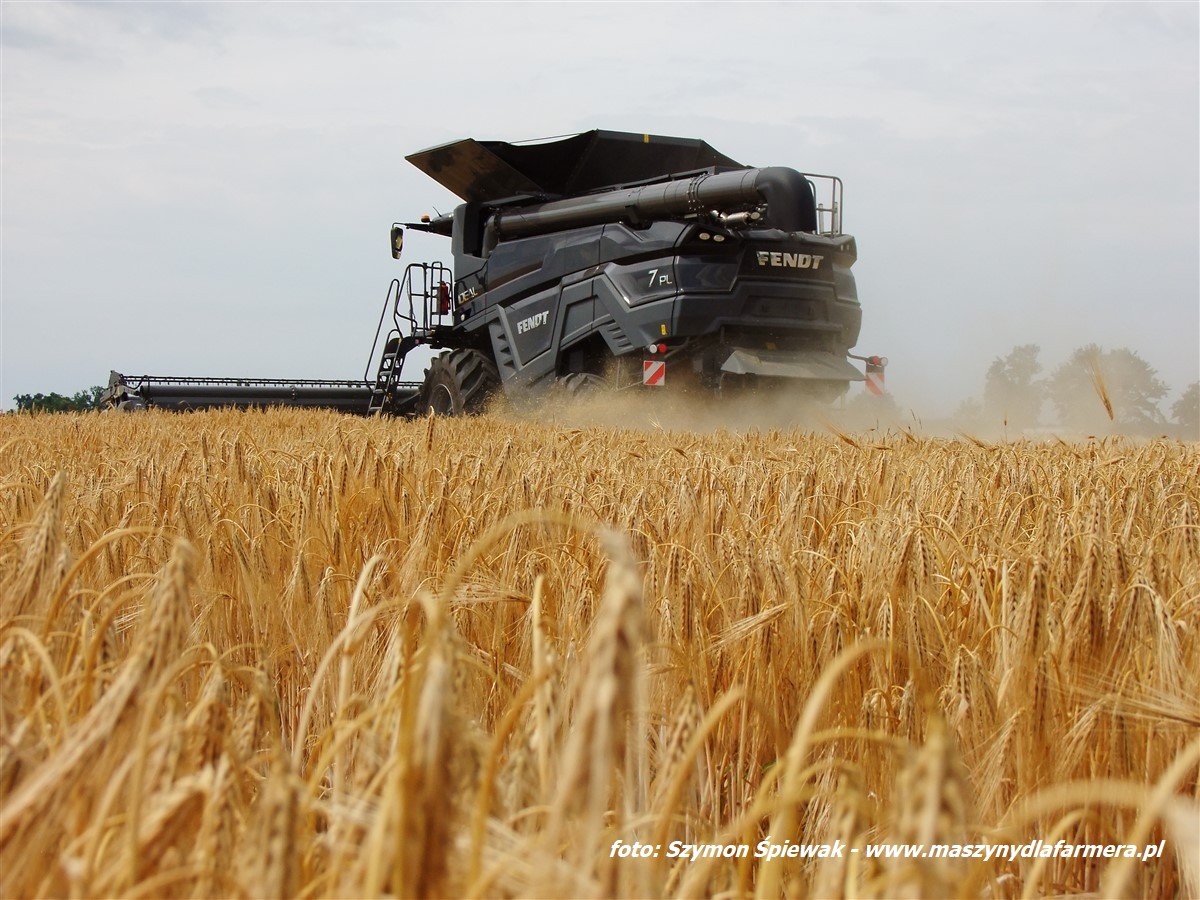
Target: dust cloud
1094, 409
700, 411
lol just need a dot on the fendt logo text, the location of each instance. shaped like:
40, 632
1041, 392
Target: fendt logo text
533, 322
789, 260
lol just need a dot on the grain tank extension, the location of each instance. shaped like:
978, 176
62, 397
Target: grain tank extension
603, 261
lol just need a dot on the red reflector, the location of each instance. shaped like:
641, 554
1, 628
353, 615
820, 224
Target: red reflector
662, 348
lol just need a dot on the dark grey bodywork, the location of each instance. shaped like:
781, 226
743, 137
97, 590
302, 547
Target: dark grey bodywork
592, 257
549, 285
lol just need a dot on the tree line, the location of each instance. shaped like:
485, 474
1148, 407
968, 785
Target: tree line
1094, 390
80, 401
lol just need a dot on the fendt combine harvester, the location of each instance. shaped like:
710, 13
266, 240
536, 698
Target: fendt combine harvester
602, 261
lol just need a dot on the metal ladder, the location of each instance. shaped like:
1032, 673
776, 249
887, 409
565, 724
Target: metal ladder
427, 289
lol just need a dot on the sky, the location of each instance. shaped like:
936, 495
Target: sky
207, 189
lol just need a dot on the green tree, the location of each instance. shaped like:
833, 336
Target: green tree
969, 413
80, 401
1106, 390
1186, 412
1012, 392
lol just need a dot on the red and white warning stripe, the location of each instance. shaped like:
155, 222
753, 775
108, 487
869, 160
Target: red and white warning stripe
875, 367
654, 371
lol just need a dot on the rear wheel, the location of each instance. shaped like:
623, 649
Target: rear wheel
578, 385
459, 383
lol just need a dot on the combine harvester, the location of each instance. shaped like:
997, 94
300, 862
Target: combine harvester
603, 261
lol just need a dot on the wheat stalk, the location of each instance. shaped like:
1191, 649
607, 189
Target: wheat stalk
490, 708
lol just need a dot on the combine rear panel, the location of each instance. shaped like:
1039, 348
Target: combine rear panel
664, 250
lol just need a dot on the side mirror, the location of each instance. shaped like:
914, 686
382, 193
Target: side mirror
397, 241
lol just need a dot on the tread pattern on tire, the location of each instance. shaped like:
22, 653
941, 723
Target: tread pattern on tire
464, 381
582, 384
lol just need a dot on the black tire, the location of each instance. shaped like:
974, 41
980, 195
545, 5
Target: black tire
578, 385
459, 383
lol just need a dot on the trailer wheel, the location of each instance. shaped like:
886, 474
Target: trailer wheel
459, 383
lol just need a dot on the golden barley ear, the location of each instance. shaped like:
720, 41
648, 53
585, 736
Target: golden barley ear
40, 556
606, 695
157, 648
1097, 376
849, 814
932, 809
683, 723
426, 842
430, 429
214, 851
272, 860
1034, 614
169, 615
171, 819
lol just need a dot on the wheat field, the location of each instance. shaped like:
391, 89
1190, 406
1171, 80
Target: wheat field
291, 654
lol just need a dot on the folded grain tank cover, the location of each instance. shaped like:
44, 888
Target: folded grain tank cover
483, 171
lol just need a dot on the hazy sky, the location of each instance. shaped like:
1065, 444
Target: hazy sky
207, 189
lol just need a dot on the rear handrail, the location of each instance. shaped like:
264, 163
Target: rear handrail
379, 328
828, 197
432, 277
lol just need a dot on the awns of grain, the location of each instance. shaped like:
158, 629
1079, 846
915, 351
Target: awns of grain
292, 654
